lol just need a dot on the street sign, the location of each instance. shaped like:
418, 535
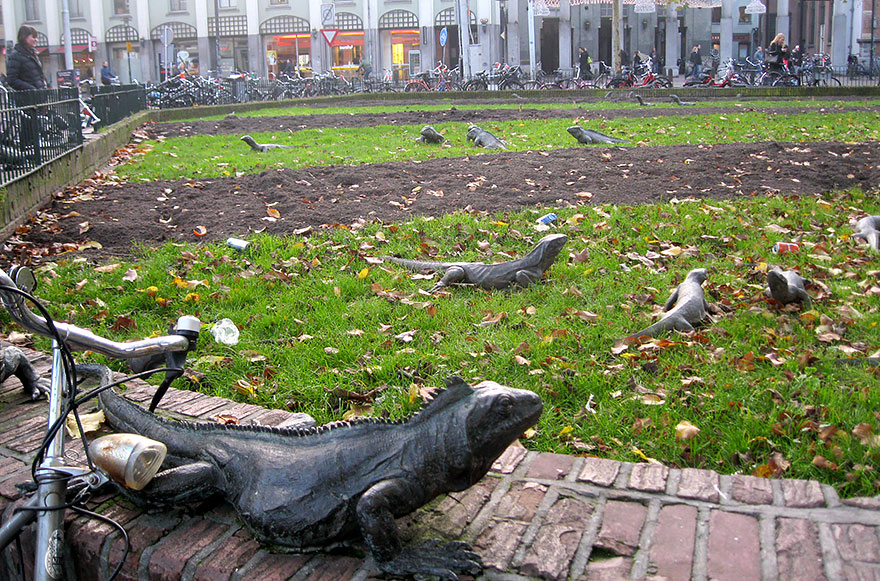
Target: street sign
444, 35
93, 43
328, 14
329, 34
128, 46
166, 35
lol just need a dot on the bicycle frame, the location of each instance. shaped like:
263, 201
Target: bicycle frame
54, 472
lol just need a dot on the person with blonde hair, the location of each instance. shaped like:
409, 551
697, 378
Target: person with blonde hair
777, 53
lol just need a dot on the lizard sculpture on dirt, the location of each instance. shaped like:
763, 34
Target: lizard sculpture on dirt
677, 100
685, 308
483, 138
588, 136
868, 229
263, 147
522, 271
14, 362
430, 135
308, 488
786, 286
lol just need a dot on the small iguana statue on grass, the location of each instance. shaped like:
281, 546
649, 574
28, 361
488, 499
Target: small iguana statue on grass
588, 136
522, 271
483, 138
685, 308
868, 229
263, 147
430, 135
308, 488
786, 286
14, 362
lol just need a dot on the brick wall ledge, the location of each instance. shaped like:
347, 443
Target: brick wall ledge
534, 516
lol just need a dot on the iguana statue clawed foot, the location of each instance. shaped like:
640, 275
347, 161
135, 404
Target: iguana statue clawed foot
434, 558
14, 362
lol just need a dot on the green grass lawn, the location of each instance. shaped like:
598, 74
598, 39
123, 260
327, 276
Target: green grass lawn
226, 155
319, 315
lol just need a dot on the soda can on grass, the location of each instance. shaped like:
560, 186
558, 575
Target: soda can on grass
547, 219
783, 247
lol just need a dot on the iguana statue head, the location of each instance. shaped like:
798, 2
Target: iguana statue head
497, 417
699, 275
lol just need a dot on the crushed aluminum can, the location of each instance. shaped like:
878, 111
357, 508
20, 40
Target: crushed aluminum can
783, 247
237, 243
547, 219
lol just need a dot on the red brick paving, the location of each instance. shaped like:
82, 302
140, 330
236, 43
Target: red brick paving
535, 515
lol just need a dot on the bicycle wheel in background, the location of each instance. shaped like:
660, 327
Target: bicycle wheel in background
531, 85
476, 85
414, 87
786, 81
662, 83
512, 85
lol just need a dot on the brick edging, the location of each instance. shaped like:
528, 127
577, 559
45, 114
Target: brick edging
535, 515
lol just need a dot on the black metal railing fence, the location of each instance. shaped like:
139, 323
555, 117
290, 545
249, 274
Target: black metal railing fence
35, 128
114, 103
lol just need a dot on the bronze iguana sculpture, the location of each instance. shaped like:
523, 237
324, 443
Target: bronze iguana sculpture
588, 136
306, 488
263, 147
14, 362
868, 229
786, 286
685, 308
430, 135
483, 138
522, 271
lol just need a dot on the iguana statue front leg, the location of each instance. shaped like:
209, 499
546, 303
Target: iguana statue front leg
376, 511
14, 362
454, 275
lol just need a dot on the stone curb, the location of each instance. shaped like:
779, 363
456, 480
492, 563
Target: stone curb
534, 516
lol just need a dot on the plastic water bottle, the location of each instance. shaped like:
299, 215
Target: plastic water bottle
225, 331
237, 243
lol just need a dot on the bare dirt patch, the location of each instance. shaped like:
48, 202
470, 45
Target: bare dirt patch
119, 215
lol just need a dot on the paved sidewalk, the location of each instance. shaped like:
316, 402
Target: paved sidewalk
545, 516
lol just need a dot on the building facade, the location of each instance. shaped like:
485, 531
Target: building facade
147, 40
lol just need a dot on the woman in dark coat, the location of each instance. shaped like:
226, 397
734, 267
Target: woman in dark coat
23, 69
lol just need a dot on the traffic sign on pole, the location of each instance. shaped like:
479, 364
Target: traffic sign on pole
444, 35
329, 34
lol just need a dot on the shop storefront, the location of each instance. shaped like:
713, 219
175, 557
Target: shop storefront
124, 63
400, 38
231, 34
83, 61
184, 43
450, 54
347, 50
288, 44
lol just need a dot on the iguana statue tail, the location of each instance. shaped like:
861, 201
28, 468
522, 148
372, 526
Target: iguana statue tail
685, 308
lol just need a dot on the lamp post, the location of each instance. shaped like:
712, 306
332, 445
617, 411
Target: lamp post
127, 19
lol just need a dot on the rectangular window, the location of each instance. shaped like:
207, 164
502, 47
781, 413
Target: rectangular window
30, 10
75, 7
226, 3
120, 7
177, 6
716, 15
743, 17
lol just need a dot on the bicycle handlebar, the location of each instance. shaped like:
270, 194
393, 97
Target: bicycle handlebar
84, 340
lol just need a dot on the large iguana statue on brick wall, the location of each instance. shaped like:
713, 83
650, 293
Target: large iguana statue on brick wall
307, 488
522, 271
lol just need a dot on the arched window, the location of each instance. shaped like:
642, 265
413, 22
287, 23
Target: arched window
397, 19
284, 25
349, 21
181, 30
121, 33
